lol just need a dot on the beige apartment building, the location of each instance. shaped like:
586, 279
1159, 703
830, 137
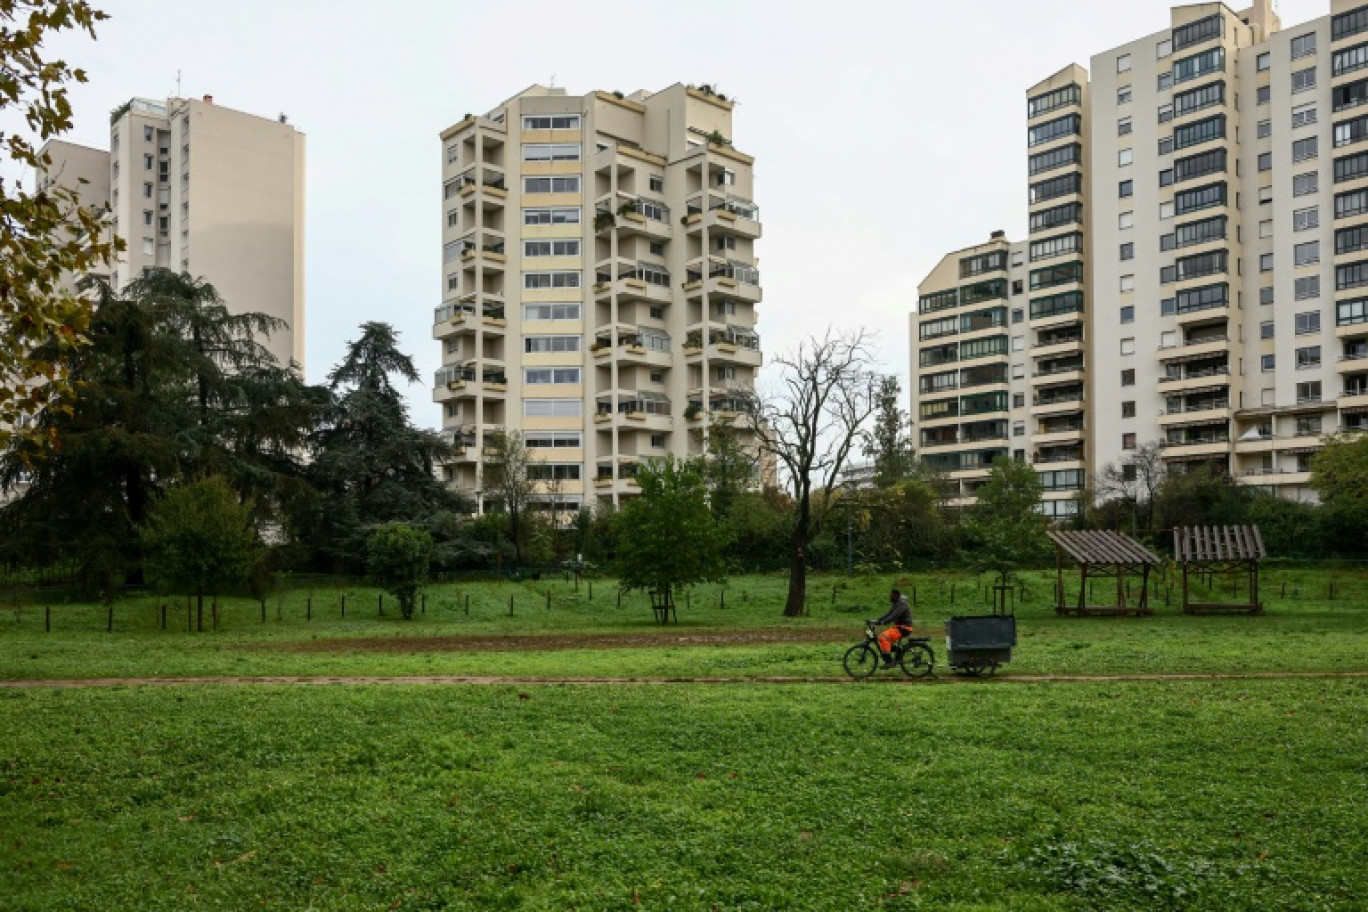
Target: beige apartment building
200, 188
1196, 266
600, 285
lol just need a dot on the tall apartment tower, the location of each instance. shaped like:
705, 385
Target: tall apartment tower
1199, 222
599, 285
200, 188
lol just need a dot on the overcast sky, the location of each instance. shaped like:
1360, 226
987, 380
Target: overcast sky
885, 133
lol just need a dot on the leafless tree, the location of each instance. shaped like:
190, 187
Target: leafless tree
507, 482
1135, 480
810, 424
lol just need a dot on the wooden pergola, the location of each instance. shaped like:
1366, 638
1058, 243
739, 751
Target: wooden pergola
1227, 551
1101, 554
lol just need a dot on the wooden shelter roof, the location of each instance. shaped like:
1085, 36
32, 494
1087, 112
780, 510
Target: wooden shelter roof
1103, 547
1218, 543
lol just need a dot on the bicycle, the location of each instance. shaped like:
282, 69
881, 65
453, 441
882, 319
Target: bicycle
912, 654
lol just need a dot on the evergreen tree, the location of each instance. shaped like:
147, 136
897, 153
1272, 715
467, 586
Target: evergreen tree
667, 535
889, 443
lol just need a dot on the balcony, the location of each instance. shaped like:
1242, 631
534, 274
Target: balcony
636, 216
1353, 360
634, 345
1194, 378
1195, 444
640, 282
1065, 369
732, 214
1059, 432
730, 278
1194, 411
1194, 348
459, 317
1050, 345
635, 409
1057, 402
1055, 455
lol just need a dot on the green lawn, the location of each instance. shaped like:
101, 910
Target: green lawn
1302, 631
1180, 795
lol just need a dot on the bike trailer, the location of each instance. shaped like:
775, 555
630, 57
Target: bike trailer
979, 643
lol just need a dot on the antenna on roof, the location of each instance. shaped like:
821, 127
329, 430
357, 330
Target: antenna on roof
553, 80
178, 83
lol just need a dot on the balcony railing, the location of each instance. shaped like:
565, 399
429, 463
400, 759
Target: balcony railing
1195, 340
1181, 408
1198, 374
739, 206
1196, 440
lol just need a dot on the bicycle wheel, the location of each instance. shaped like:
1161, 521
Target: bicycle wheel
861, 660
918, 660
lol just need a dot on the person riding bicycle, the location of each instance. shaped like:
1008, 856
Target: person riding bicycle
900, 617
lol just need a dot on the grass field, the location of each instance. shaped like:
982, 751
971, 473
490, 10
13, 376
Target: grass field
1093, 795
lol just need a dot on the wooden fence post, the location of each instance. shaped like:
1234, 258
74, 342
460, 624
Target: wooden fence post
47, 618
344, 604
510, 606
110, 627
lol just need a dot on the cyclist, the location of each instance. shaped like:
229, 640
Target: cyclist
900, 617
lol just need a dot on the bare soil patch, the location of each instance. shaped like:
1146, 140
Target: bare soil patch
560, 642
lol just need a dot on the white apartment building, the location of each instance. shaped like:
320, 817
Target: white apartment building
1199, 235
599, 285
196, 187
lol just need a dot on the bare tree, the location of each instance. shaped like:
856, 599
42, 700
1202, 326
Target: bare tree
507, 481
810, 424
1134, 480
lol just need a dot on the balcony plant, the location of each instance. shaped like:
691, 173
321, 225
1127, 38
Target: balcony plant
694, 410
604, 220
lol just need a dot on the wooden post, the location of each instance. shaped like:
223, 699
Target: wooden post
548, 601
110, 627
591, 590
47, 618
952, 594
308, 609
510, 606
344, 604
424, 611
619, 597
213, 611
380, 604
1059, 577
263, 611
467, 604
722, 598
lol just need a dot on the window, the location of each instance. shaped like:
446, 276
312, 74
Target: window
568, 311
1265, 129
551, 152
1263, 61
551, 375
657, 248
1263, 95
551, 122
1306, 219
1352, 239
1265, 161
1351, 313
1351, 275
570, 183
1126, 220
451, 251
560, 440
1070, 94
1198, 65
1198, 31
1304, 80
1168, 307
1201, 264
1056, 275
1306, 254
546, 344
1165, 113
1351, 167
1127, 441
1123, 63
1266, 295
147, 216
147, 191
1018, 371
1163, 49
1213, 93
1199, 165
1306, 287
551, 408
1125, 188
1267, 363
1166, 148
553, 471
1128, 283
658, 313
1304, 184
1128, 377
1308, 425
1349, 132
534, 280
1165, 211
1125, 157
657, 183
1069, 213
1199, 131
1068, 125
1051, 159
1309, 357
1200, 232
1305, 149
1166, 177
1056, 246
566, 215
1205, 297
1265, 262
1308, 322
1165, 80
1265, 194
1266, 228
1123, 127
1303, 45
1349, 95
1018, 314
1064, 185
1349, 60
551, 248
1123, 95
1128, 409
1128, 251
1355, 202
1309, 391
1266, 330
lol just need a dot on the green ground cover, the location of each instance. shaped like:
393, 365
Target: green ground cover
1175, 795
1303, 630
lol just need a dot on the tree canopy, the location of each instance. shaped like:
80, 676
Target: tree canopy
667, 537
397, 557
1005, 532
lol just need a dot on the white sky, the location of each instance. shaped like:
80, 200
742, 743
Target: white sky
885, 133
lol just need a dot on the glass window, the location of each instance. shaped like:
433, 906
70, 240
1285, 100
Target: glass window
1309, 357
1306, 254
1306, 287
1303, 45
1266, 330
1267, 363
1128, 314
1123, 95
1303, 80
1265, 129
1263, 61
551, 152
1126, 188
1123, 63
1265, 262
1125, 157
1128, 251
1123, 126
1128, 283
1265, 161
1304, 184
551, 122
1306, 219
1126, 220
1308, 322
1303, 115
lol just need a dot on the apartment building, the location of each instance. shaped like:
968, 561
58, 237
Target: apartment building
600, 285
196, 187
1198, 244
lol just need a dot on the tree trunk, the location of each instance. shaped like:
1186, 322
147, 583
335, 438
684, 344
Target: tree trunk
797, 590
199, 611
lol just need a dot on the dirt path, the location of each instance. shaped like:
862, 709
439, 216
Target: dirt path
533, 680
559, 642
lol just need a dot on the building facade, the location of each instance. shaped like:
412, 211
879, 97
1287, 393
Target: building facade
599, 285
1197, 256
196, 187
